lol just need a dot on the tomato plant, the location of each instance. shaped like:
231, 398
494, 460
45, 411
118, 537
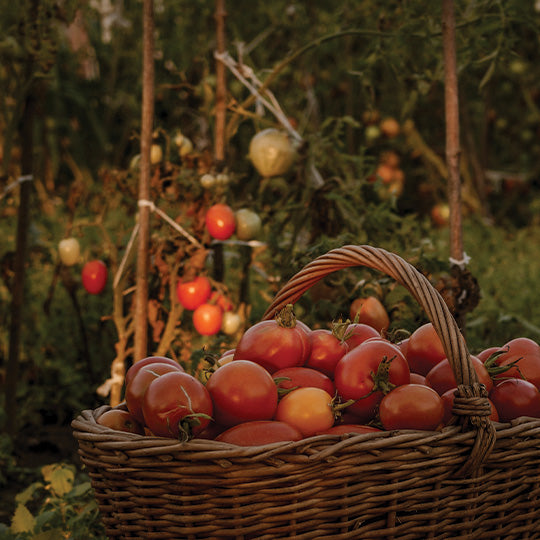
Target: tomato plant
515, 397
191, 294
220, 221
424, 349
259, 432
120, 420
370, 311
300, 376
441, 376
242, 391
177, 405
275, 344
326, 351
207, 319
94, 276
139, 383
367, 372
308, 409
411, 406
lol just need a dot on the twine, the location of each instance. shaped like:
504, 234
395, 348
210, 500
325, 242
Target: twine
13, 185
462, 263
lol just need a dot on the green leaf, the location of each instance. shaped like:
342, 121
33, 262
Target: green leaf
23, 520
24, 496
80, 490
52, 534
59, 477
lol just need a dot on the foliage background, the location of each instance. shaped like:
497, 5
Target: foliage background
332, 66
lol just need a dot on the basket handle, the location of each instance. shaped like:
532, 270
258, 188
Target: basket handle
473, 402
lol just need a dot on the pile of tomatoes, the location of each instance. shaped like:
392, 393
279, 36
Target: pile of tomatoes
285, 381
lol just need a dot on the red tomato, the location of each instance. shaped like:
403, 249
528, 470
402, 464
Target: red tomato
120, 420
220, 221
300, 376
425, 349
221, 300
416, 378
370, 311
367, 372
191, 294
403, 346
524, 353
411, 406
138, 384
242, 391
357, 333
441, 377
515, 397
343, 429
448, 403
259, 433
308, 409
134, 369
273, 345
177, 405
207, 319
94, 276
326, 351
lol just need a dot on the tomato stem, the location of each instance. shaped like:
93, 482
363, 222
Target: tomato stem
285, 317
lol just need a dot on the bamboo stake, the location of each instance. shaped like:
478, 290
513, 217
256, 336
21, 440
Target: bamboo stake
221, 85
452, 129
141, 290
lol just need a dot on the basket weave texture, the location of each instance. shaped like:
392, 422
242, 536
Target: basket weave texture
474, 479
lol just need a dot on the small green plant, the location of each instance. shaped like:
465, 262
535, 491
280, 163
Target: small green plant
62, 505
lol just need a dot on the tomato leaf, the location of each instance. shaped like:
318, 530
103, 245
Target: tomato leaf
22, 520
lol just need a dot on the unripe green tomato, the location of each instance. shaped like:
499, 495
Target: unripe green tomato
156, 154
271, 152
69, 251
207, 180
248, 224
222, 179
231, 322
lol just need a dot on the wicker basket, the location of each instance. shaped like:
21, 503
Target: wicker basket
471, 480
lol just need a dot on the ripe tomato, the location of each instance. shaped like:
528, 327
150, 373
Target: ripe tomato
120, 420
300, 376
242, 391
309, 410
416, 378
411, 406
275, 344
220, 221
424, 349
441, 376
448, 402
138, 384
94, 276
525, 354
207, 319
191, 294
259, 432
357, 333
177, 405
515, 397
370, 311
221, 300
367, 372
326, 351
134, 369
343, 429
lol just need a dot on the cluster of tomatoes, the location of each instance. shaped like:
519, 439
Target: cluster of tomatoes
285, 381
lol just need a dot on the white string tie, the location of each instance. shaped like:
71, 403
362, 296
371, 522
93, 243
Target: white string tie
461, 263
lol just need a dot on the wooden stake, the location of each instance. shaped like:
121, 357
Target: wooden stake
141, 290
221, 85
